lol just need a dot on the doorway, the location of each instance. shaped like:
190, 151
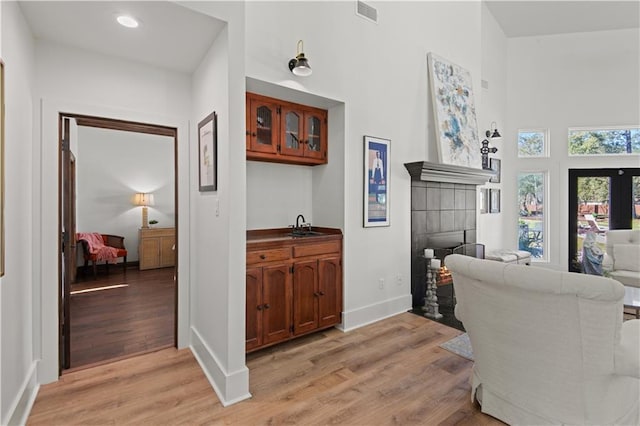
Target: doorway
109, 313
599, 200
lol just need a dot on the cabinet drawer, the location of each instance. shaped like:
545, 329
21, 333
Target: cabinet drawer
316, 249
268, 255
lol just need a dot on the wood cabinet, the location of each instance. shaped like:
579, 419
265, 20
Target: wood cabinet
285, 132
294, 287
156, 248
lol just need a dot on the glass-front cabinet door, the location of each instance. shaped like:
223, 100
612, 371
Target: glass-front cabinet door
315, 137
292, 136
263, 126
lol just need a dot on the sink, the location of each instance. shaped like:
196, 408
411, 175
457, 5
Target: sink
305, 233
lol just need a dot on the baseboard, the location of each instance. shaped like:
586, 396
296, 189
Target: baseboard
365, 315
230, 387
23, 402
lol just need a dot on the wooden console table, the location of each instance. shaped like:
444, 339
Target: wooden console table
156, 249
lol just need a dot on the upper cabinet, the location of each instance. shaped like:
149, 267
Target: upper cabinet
284, 132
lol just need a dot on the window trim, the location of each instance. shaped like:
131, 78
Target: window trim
546, 256
601, 128
545, 150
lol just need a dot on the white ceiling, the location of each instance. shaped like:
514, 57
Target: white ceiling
519, 18
169, 36
174, 37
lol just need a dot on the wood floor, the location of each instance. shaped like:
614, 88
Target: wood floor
390, 372
121, 315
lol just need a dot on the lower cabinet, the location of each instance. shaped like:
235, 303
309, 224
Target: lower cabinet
289, 297
156, 248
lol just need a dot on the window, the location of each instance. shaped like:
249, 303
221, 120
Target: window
533, 143
531, 217
604, 141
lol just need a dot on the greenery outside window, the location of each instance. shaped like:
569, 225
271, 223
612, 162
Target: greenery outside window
533, 143
604, 140
531, 216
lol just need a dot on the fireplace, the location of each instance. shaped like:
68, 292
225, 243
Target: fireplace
443, 214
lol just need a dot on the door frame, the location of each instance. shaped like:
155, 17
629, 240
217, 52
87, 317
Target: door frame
620, 207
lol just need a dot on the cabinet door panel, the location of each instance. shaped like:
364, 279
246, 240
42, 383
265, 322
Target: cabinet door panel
150, 253
305, 296
315, 135
167, 252
264, 126
276, 297
292, 138
253, 318
330, 290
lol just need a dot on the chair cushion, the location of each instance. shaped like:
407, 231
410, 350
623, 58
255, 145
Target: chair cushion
626, 257
628, 278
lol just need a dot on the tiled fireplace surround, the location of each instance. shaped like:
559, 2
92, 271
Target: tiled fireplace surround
443, 212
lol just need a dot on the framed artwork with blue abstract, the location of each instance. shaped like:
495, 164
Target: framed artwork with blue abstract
455, 114
376, 182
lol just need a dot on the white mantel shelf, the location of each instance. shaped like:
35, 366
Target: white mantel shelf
436, 172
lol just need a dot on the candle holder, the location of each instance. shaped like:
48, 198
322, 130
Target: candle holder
431, 306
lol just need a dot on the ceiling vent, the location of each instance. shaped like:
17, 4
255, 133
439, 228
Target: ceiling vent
367, 12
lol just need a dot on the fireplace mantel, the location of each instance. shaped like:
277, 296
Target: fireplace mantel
436, 172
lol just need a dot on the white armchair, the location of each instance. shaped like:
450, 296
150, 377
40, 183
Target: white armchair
550, 347
622, 259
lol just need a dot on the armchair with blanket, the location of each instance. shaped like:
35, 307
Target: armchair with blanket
102, 247
550, 347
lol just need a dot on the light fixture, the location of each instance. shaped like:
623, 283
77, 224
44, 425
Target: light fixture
300, 65
127, 21
494, 135
144, 200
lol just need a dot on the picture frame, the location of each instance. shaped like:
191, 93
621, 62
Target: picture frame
208, 153
495, 165
494, 200
2, 122
376, 181
484, 200
454, 110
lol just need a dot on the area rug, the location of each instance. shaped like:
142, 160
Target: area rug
459, 345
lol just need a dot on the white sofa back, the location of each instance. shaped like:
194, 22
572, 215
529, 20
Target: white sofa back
622, 259
543, 342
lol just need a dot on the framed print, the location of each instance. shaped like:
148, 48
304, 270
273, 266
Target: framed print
376, 181
455, 113
2, 113
494, 164
484, 200
494, 201
208, 153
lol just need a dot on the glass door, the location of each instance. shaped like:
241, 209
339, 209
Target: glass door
600, 199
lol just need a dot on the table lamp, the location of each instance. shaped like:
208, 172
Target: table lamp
144, 200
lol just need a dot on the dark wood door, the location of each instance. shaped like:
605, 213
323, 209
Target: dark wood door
305, 296
276, 297
291, 134
264, 124
254, 308
330, 291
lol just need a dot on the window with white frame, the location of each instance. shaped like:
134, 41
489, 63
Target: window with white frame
614, 140
533, 143
531, 217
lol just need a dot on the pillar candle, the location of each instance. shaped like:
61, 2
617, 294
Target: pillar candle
428, 253
435, 264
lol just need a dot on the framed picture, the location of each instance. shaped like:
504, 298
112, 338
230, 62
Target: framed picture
376, 181
208, 153
494, 164
484, 200
494, 202
455, 114
2, 113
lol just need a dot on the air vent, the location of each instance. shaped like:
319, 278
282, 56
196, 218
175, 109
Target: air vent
367, 12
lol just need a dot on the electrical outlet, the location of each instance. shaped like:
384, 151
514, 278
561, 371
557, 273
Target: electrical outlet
381, 283
399, 279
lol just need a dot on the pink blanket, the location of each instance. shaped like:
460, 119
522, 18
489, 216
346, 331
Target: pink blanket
97, 247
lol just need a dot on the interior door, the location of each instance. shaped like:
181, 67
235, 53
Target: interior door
599, 200
68, 128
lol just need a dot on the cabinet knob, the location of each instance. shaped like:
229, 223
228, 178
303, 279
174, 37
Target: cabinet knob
254, 134
259, 307
316, 294
263, 257
322, 293
266, 306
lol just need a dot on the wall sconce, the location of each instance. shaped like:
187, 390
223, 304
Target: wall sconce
144, 200
494, 135
300, 65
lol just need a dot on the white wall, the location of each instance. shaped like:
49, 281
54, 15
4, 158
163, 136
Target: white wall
81, 82
491, 227
111, 166
562, 81
384, 90
17, 349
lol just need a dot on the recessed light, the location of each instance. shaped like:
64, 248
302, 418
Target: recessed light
127, 21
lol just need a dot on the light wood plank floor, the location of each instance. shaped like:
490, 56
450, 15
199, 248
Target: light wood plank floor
390, 372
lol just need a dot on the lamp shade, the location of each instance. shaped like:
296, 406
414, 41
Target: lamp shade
143, 199
301, 67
